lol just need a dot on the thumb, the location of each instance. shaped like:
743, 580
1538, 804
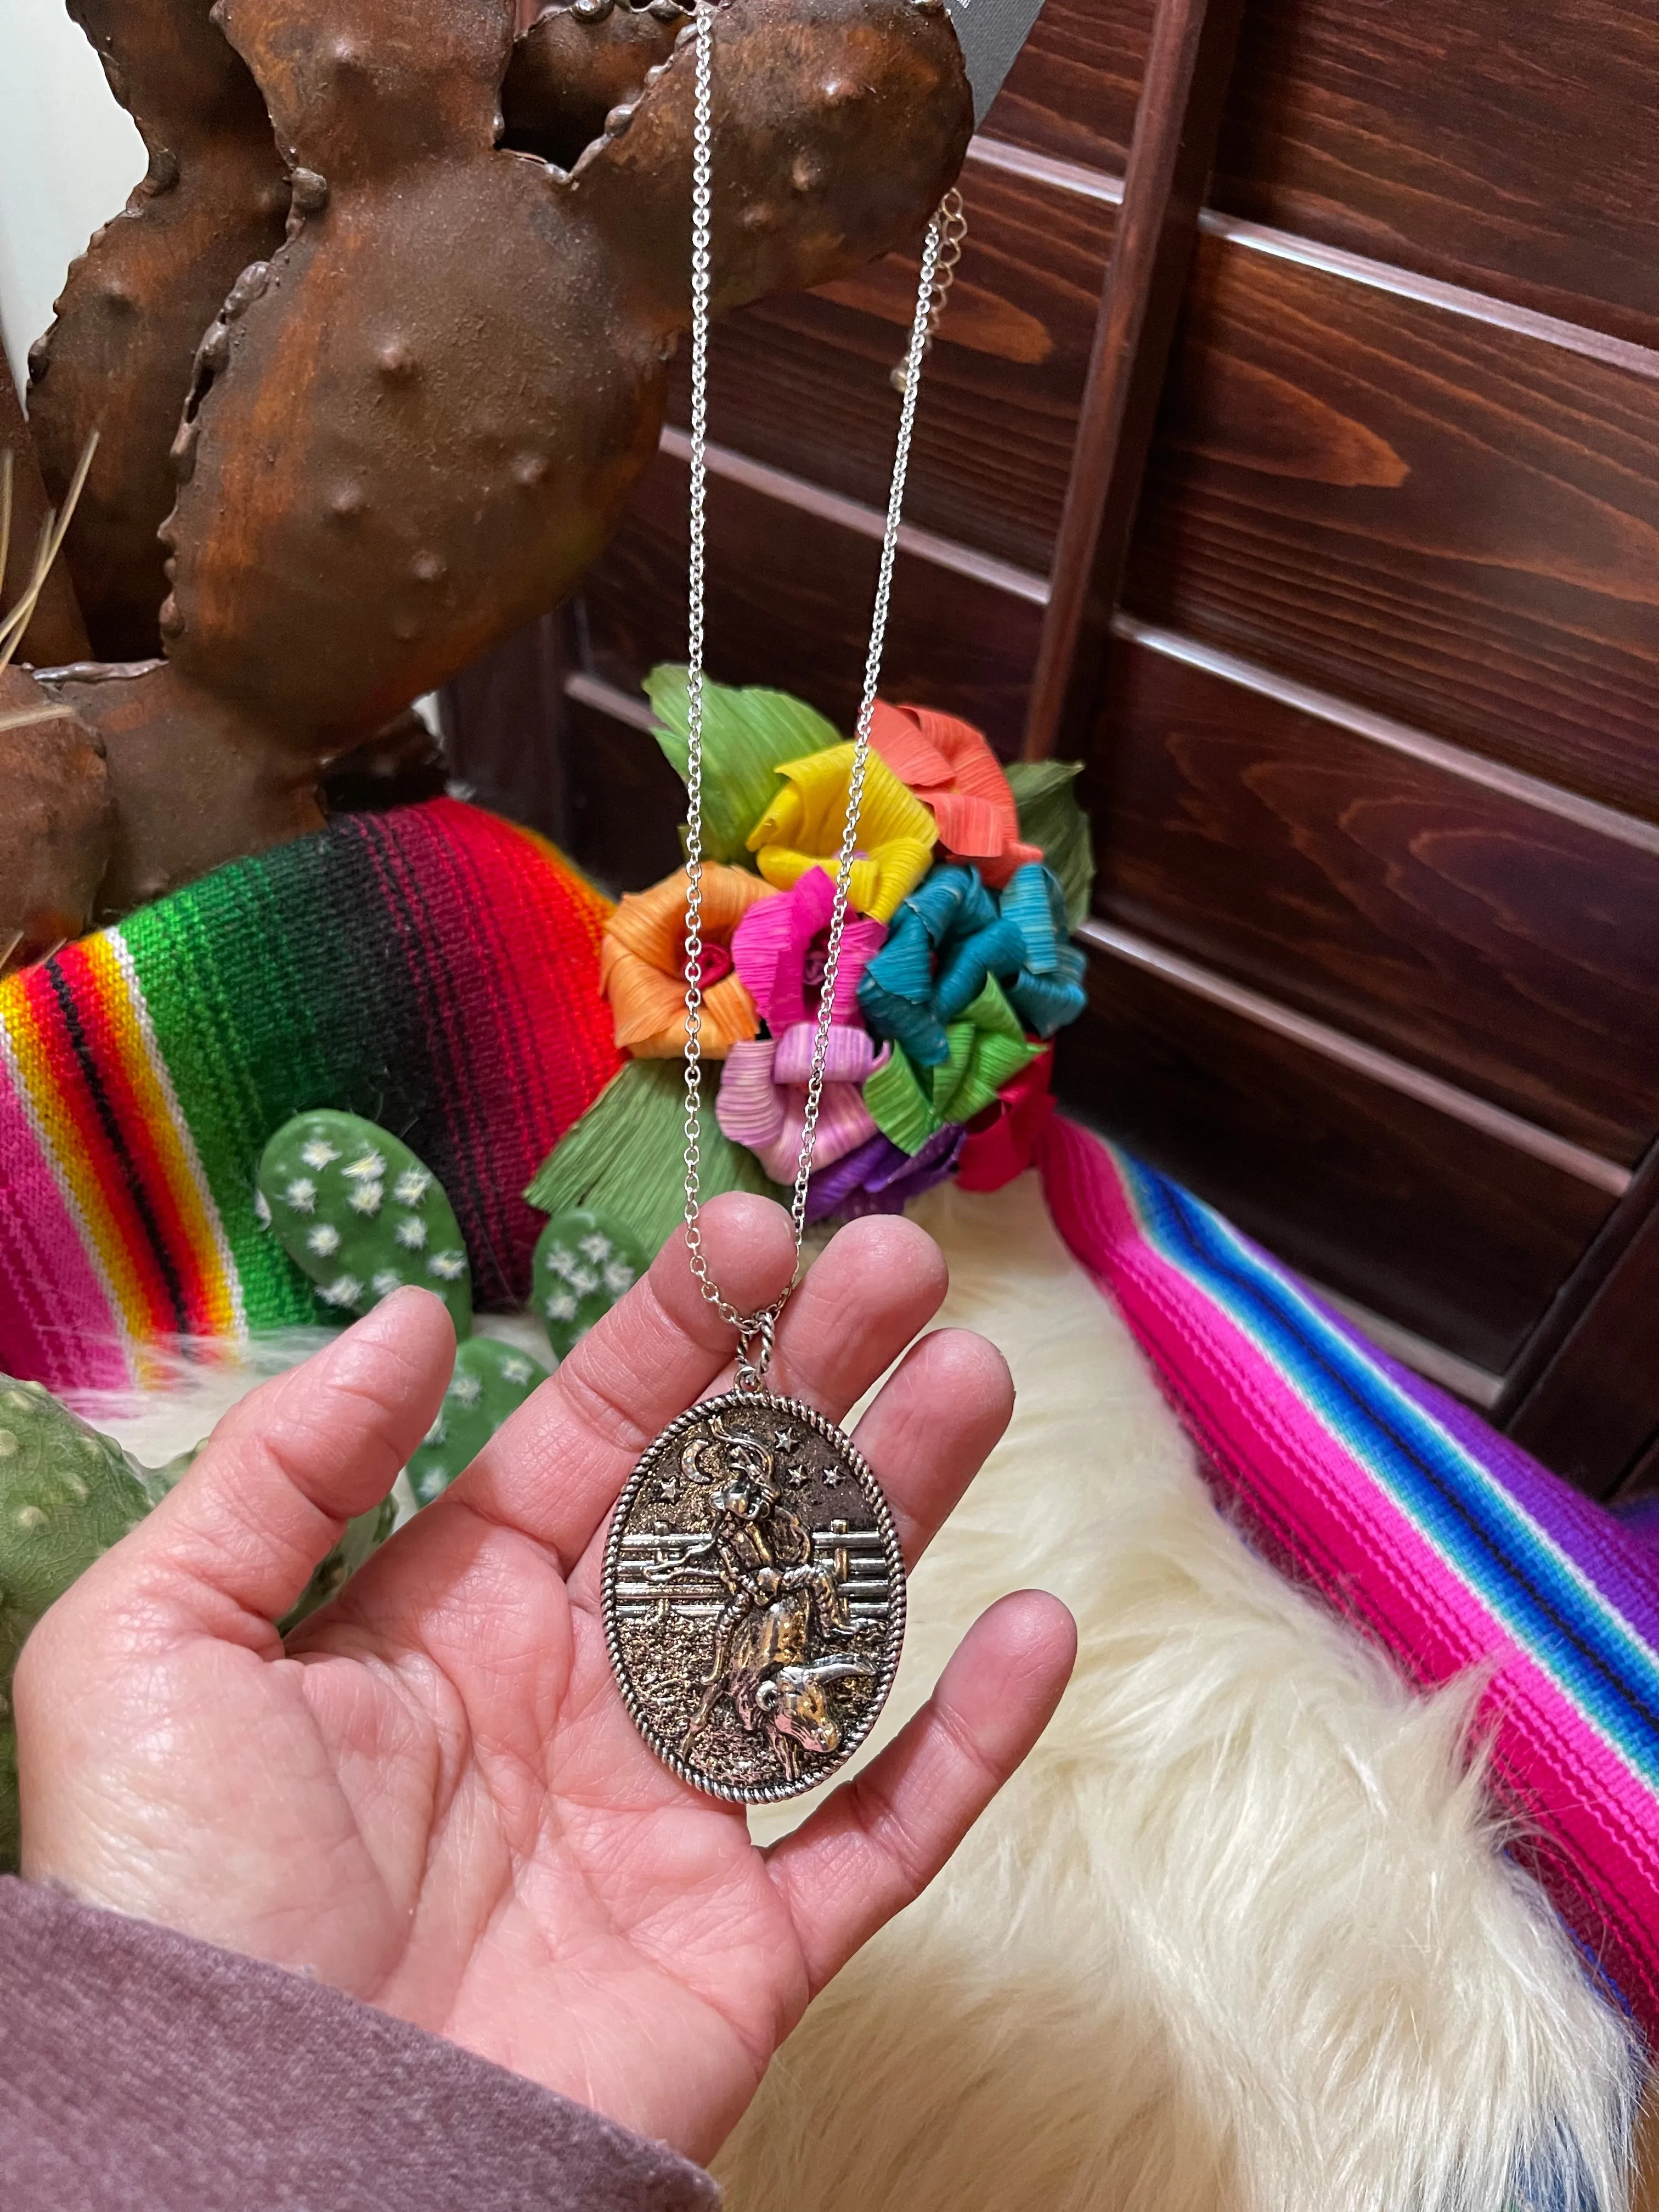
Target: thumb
238, 1539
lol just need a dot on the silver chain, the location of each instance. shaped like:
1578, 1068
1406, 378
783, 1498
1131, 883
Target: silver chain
756, 1330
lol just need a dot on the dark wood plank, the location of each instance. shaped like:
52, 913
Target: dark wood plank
1508, 145
1072, 94
1586, 1397
1513, 953
802, 381
1417, 1217
1644, 1478
1505, 145
1176, 124
626, 803
789, 604
504, 728
1447, 521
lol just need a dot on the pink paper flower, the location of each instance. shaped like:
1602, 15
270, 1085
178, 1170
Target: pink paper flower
779, 948
763, 1097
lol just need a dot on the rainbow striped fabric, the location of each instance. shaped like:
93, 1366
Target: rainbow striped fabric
1411, 1516
435, 969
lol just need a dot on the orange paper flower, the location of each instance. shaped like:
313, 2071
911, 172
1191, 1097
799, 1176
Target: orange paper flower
955, 773
642, 965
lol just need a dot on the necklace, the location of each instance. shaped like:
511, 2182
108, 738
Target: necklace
754, 1587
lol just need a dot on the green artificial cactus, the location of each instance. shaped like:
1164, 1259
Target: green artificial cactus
66, 1495
355, 1209
361, 1215
585, 1261
491, 1381
362, 1537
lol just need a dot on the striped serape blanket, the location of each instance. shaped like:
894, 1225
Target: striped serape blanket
434, 968
1414, 1518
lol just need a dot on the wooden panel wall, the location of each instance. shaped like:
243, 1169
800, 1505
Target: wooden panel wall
1444, 517
1371, 705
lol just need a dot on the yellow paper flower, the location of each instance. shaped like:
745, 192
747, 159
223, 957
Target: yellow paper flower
802, 829
642, 965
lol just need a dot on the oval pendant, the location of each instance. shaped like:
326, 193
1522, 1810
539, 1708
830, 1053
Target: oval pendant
754, 1597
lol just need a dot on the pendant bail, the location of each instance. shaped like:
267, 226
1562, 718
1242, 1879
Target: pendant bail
759, 1329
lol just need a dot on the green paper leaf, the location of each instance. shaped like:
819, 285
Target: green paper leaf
981, 1062
1050, 817
626, 1157
746, 736
901, 1102
991, 1012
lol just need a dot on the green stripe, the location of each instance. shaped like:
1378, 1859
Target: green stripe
241, 974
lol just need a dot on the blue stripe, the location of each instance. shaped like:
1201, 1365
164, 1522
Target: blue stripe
1524, 1582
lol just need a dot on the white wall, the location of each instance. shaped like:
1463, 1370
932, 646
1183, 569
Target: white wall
68, 157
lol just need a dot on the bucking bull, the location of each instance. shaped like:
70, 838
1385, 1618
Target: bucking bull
779, 1605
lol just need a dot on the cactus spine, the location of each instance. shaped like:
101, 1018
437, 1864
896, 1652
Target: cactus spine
491, 1381
585, 1261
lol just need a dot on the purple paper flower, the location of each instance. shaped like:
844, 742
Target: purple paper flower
878, 1178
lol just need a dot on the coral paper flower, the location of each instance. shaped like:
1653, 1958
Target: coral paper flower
802, 829
953, 770
779, 948
642, 965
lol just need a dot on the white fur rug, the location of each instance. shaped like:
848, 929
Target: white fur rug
1239, 1938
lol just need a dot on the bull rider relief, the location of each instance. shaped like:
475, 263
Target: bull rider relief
754, 1597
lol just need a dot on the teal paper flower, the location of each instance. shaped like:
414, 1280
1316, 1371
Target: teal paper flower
950, 937
944, 942
1048, 991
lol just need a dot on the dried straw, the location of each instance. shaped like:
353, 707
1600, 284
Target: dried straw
53, 531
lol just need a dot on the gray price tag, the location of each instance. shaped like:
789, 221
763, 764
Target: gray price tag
992, 32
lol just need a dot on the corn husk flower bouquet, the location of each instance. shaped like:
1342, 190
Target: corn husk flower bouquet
956, 969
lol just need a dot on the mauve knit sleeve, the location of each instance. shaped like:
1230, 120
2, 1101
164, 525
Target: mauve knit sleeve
142, 2071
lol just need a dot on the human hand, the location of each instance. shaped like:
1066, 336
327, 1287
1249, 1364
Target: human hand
433, 1798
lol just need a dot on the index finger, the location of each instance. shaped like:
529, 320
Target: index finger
555, 1470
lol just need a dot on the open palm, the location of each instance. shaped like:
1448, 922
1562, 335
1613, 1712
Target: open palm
434, 1797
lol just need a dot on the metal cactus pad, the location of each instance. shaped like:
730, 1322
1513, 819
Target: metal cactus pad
381, 346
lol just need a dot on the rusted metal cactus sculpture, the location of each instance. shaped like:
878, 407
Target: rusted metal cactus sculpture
435, 350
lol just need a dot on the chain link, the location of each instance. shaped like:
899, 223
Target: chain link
951, 224
756, 1330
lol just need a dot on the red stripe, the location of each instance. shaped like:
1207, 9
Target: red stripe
532, 1013
499, 943
106, 1170
438, 927
563, 922
144, 1161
